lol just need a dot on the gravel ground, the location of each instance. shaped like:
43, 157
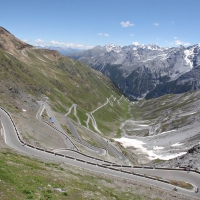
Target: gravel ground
190, 159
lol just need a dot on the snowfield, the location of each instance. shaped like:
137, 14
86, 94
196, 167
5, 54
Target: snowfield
152, 154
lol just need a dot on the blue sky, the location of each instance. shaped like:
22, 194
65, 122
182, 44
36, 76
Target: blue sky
88, 23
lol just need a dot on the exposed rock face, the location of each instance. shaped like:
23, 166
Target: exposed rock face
146, 70
186, 82
190, 159
9, 42
20, 49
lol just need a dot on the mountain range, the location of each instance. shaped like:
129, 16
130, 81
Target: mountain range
61, 50
146, 71
163, 127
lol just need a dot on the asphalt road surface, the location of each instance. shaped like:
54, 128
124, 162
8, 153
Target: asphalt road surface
68, 140
11, 139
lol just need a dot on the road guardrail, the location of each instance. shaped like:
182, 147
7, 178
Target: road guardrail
103, 166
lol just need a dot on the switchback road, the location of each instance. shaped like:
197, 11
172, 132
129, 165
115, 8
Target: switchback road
12, 140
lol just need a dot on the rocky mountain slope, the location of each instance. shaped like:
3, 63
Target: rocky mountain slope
190, 160
165, 128
146, 70
42, 71
28, 74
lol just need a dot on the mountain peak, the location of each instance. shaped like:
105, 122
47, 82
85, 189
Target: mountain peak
10, 43
113, 47
152, 64
150, 46
98, 47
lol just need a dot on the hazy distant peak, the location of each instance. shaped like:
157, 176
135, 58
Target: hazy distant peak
98, 47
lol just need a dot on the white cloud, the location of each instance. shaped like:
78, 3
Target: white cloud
57, 43
136, 43
25, 40
156, 24
39, 41
103, 34
71, 45
131, 34
126, 24
178, 42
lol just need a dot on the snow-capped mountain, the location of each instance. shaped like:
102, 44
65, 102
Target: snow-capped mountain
146, 70
112, 47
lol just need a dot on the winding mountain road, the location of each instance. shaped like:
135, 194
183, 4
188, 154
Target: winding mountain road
69, 140
104, 142
44, 105
13, 140
73, 130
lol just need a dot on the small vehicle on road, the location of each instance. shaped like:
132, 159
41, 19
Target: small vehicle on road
52, 120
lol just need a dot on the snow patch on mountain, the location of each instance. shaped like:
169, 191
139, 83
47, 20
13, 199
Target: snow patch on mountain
112, 47
138, 69
189, 54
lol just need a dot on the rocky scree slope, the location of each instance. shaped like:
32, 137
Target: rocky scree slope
189, 160
171, 127
146, 70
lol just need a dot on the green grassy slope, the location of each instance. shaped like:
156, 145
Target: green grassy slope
22, 178
62, 80
28, 71
43, 72
166, 110
110, 116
